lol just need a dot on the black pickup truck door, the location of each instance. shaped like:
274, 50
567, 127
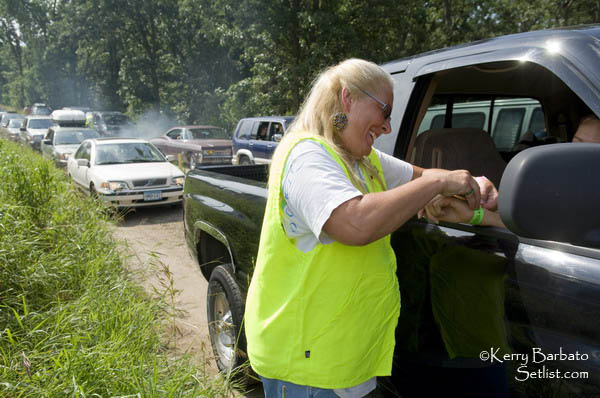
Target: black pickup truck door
472, 293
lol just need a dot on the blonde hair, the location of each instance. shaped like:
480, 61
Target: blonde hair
325, 100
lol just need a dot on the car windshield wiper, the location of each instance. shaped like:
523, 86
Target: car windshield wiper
104, 163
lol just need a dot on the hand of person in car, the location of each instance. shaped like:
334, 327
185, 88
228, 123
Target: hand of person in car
454, 209
489, 193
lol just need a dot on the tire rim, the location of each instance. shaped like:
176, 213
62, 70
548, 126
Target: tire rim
224, 330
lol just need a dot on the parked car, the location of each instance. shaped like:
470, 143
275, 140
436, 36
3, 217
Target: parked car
5, 120
485, 311
197, 144
255, 138
41, 109
60, 142
34, 129
126, 172
13, 130
110, 124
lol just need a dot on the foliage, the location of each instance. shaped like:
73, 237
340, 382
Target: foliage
215, 61
73, 324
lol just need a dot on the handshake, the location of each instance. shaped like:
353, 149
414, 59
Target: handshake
456, 209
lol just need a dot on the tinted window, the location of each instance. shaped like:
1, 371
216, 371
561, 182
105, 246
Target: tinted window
537, 124
461, 120
245, 129
508, 127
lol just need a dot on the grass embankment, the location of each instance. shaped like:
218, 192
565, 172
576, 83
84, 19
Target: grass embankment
71, 322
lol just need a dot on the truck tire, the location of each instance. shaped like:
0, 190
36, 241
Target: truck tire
225, 310
244, 160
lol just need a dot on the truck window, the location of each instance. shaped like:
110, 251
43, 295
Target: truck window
511, 116
507, 128
461, 120
245, 129
536, 124
276, 128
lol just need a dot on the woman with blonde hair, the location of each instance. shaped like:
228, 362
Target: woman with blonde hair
324, 300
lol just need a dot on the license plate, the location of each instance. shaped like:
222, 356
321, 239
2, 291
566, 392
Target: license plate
152, 195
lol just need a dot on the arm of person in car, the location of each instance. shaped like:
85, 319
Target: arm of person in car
453, 209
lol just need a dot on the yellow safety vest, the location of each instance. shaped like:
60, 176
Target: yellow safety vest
325, 318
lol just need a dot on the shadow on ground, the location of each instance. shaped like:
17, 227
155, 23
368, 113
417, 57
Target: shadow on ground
149, 216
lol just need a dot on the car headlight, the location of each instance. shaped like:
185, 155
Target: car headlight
64, 156
114, 186
179, 180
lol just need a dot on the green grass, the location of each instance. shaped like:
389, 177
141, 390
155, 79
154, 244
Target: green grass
72, 324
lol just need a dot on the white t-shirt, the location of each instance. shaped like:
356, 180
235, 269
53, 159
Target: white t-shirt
305, 211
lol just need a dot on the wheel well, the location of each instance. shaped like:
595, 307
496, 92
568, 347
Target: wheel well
211, 253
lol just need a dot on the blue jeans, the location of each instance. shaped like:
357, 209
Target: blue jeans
284, 389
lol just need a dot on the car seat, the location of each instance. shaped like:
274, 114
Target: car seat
459, 148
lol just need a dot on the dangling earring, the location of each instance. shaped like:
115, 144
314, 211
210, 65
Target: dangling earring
339, 120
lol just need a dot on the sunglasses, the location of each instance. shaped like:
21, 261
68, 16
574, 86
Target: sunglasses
386, 108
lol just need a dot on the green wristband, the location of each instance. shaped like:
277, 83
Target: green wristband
477, 217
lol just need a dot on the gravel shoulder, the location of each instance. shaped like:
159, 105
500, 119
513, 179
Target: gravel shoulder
154, 243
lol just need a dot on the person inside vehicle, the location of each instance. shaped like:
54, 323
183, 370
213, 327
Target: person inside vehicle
324, 301
262, 132
588, 130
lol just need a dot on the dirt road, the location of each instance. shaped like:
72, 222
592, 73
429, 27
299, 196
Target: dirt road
154, 238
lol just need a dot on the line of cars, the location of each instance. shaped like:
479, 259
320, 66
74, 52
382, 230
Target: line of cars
125, 172
132, 172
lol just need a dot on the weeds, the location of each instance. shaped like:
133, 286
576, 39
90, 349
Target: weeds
71, 321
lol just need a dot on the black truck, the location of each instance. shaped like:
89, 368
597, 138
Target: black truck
485, 311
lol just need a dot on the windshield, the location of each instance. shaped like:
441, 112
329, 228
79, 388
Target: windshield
7, 117
73, 137
215, 133
131, 152
15, 123
116, 119
39, 124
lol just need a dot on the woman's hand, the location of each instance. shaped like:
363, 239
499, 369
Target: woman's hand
450, 209
458, 182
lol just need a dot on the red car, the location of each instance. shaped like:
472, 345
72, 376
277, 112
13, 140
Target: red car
197, 144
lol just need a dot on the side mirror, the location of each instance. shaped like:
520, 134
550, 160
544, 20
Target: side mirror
47, 142
170, 158
277, 137
83, 162
23, 129
550, 192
